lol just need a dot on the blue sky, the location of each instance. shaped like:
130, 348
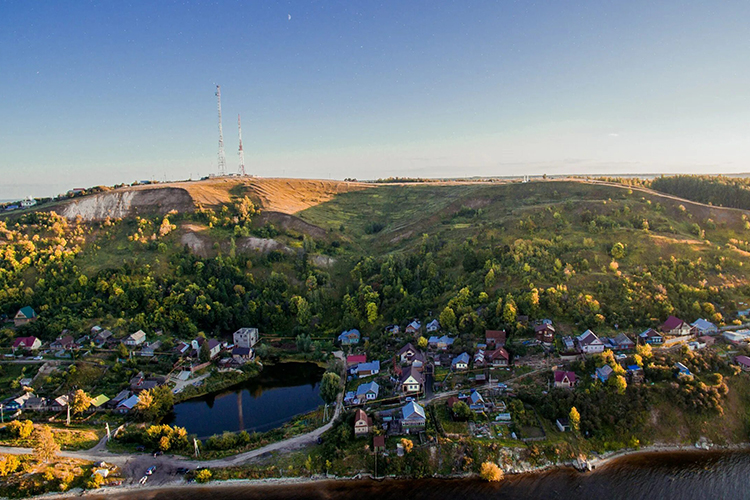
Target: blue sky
107, 92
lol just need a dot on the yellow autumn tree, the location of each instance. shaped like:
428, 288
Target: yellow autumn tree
491, 472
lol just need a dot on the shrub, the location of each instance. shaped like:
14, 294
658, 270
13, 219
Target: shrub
203, 476
491, 472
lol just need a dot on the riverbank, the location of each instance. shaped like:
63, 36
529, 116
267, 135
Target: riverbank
598, 464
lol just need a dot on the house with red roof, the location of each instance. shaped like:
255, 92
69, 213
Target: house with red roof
498, 357
362, 423
28, 343
494, 338
355, 359
564, 380
675, 327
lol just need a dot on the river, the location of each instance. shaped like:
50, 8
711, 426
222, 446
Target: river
260, 404
680, 476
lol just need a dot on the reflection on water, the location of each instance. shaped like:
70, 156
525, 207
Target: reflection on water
257, 405
679, 476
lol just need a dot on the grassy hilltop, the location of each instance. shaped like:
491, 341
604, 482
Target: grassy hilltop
318, 256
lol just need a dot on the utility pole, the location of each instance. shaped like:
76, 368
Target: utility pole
222, 159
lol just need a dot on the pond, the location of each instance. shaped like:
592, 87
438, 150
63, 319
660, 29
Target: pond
257, 405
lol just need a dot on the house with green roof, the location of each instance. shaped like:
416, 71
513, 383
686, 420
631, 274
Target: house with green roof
24, 315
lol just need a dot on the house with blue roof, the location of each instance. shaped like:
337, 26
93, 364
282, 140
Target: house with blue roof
413, 417
704, 327
683, 370
367, 369
433, 326
368, 391
476, 402
461, 362
604, 373
350, 337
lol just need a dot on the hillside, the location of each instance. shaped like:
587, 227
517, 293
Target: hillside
324, 255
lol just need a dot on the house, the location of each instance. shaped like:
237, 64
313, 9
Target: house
589, 343
479, 358
498, 358
494, 338
128, 404
24, 315
651, 337
81, 341
245, 337
63, 343
675, 327
444, 342
411, 381
95, 330
564, 380
378, 443
682, 370
476, 402
460, 362
563, 424
413, 417
704, 327
623, 342
635, 375
350, 337
241, 355
181, 349
214, 346
414, 327
744, 362
102, 337
28, 202
99, 401
135, 339
35, 403
368, 392
25, 382
355, 359
407, 353
367, 369
545, 333
433, 326
604, 373
736, 338
28, 343
59, 403
362, 423
709, 341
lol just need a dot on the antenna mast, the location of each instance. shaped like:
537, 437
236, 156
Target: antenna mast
222, 159
242, 153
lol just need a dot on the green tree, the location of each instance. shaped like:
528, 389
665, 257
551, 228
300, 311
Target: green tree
618, 383
372, 312
329, 387
617, 251
489, 279
122, 351
205, 352
461, 410
509, 311
448, 319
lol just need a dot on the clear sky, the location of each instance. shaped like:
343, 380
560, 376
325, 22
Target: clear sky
106, 92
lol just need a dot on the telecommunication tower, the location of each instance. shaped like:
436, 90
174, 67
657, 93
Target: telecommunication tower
222, 159
241, 153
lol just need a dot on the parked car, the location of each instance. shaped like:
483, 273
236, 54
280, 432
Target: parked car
183, 470
150, 470
158, 453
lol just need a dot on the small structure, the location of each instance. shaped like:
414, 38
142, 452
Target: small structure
181, 349
350, 337
355, 359
378, 443
635, 375
498, 358
460, 362
128, 404
709, 341
150, 349
589, 343
682, 370
736, 338
479, 358
28, 343
24, 315
743, 362
563, 424
568, 343
494, 338
704, 327
362, 423
135, 339
99, 401
564, 380
433, 326
102, 337
242, 355
245, 337
604, 373
651, 337
413, 417
675, 327
393, 329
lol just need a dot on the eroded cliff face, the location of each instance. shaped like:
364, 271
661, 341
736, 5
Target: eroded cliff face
128, 203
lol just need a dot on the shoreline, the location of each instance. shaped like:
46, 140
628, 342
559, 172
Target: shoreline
595, 463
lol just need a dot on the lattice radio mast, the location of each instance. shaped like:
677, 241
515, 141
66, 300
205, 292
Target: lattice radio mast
222, 159
241, 153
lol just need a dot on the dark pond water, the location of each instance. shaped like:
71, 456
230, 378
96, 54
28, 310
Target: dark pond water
259, 404
679, 476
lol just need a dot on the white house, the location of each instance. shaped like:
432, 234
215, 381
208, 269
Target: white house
245, 337
135, 339
589, 343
